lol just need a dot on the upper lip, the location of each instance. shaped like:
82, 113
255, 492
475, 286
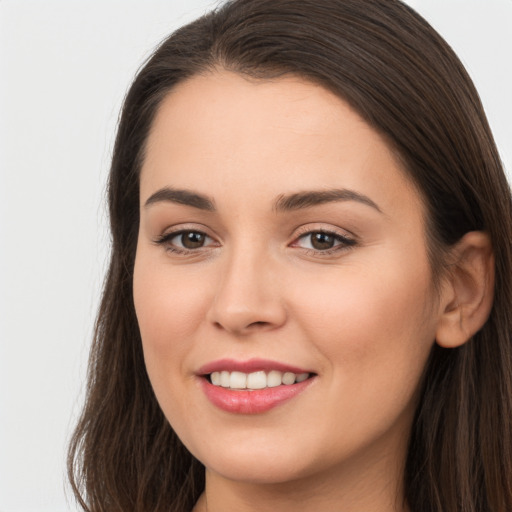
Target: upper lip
248, 366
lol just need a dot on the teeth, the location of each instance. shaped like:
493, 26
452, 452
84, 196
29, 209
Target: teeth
224, 379
274, 378
237, 380
215, 376
288, 378
301, 377
255, 380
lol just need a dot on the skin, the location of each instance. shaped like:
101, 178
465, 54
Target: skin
362, 317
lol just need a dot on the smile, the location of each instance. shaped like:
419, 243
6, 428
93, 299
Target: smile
252, 387
255, 380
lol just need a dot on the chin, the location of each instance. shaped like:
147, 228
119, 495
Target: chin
262, 472
258, 462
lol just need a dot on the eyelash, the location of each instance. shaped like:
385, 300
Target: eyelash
165, 240
344, 242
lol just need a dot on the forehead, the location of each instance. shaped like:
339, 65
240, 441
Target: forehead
222, 132
226, 107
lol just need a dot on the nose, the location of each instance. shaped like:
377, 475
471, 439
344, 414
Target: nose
249, 295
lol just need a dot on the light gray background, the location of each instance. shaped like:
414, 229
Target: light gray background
64, 69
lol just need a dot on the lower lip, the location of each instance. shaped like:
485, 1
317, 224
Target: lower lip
252, 402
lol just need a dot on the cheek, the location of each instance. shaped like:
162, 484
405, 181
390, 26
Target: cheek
374, 334
372, 321
169, 308
167, 304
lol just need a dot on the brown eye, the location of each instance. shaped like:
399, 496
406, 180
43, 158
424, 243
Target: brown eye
322, 241
180, 242
192, 239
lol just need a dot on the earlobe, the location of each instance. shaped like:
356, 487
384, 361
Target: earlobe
468, 292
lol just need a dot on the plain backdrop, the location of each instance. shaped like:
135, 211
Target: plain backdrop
64, 69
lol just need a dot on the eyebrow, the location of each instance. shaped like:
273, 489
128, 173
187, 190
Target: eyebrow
284, 203
186, 197
308, 199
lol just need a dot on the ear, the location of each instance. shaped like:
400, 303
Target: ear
468, 290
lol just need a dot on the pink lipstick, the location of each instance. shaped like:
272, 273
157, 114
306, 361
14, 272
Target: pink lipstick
253, 386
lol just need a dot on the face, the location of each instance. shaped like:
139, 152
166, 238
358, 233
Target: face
281, 283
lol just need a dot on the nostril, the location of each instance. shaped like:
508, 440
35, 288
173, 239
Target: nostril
256, 324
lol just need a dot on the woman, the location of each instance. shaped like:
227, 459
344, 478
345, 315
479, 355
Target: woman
307, 306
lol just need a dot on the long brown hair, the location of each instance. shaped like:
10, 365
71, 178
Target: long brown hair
401, 76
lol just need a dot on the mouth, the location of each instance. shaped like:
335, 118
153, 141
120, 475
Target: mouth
255, 380
254, 386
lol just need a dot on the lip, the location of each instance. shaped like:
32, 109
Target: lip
251, 401
249, 366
